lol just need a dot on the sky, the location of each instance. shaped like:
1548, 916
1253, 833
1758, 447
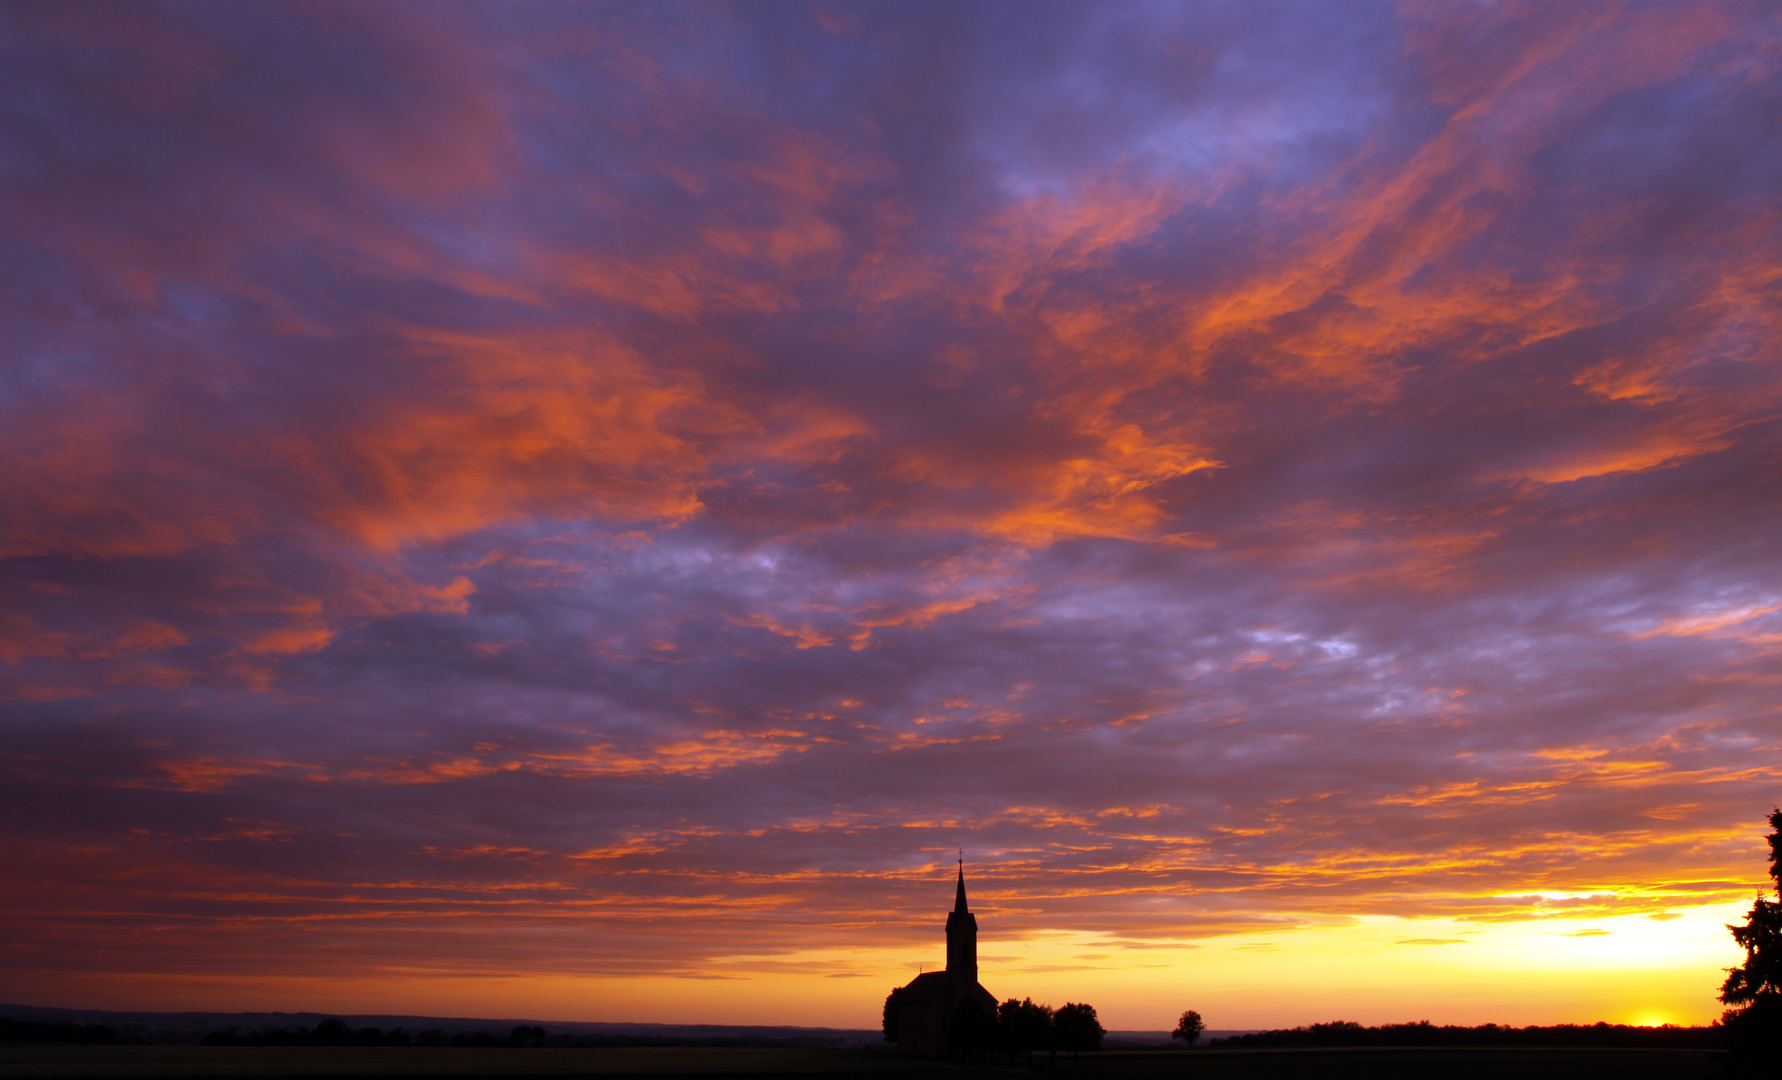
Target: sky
585, 511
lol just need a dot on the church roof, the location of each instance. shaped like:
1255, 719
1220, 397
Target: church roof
929, 984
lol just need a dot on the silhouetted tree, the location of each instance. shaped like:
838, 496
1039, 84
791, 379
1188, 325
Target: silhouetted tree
430, 1037
1005, 1027
1023, 1027
332, 1032
1756, 987
1075, 1028
890, 1020
1188, 1028
527, 1035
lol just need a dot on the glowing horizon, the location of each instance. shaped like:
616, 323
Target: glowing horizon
578, 512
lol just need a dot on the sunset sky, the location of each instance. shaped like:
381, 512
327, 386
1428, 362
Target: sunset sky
577, 511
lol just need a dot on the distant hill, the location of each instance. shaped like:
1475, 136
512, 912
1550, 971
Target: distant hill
186, 1028
1142, 1040
1347, 1033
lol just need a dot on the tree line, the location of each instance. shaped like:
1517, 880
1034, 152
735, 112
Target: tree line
57, 1033
337, 1032
1020, 1027
1423, 1033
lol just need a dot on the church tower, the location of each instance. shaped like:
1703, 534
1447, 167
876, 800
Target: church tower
962, 939
921, 1018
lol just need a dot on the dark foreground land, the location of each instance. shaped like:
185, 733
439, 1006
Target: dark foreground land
1394, 1063
759, 1063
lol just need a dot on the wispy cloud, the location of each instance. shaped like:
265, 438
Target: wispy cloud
479, 480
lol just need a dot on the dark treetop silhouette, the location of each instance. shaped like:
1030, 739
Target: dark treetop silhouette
1023, 1027
1076, 1028
1756, 987
923, 1016
1188, 1028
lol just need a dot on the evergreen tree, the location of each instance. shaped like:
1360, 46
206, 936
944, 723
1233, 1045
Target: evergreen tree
890, 1018
1756, 988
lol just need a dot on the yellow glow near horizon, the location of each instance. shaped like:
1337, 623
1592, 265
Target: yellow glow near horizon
1627, 969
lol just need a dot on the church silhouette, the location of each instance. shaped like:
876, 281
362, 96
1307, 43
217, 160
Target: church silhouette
935, 1003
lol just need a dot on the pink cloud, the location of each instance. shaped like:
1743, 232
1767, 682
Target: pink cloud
473, 484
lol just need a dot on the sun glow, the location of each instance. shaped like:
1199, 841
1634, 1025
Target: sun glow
572, 510
1651, 1018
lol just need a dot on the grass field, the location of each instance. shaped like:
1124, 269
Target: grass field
1394, 1064
369, 1062
392, 1061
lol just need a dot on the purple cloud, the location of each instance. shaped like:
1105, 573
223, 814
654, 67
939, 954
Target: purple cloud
482, 477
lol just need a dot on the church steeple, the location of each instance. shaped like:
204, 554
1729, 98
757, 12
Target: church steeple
962, 938
926, 1011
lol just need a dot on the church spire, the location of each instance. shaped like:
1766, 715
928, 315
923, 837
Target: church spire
962, 937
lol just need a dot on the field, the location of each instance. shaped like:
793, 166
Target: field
381, 1061
1395, 1063
1411, 1064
